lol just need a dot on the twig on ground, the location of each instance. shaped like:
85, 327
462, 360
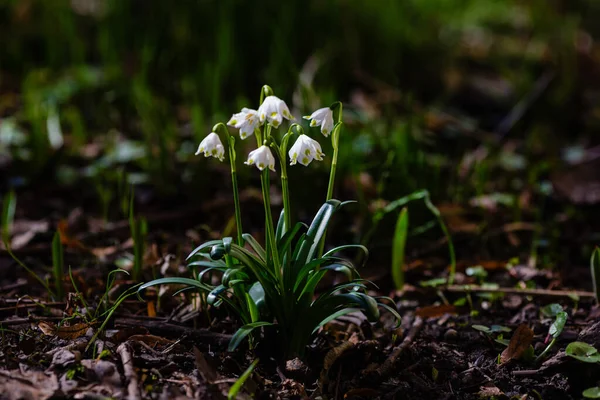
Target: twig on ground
162, 328
133, 390
522, 292
388, 366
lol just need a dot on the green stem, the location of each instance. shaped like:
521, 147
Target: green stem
335, 141
264, 178
230, 140
539, 358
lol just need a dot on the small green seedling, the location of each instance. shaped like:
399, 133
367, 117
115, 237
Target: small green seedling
58, 266
595, 268
8, 215
589, 354
139, 230
237, 386
398, 249
554, 332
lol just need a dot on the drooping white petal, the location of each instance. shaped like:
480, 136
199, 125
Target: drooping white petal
246, 121
211, 146
305, 150
273, 110
324, 118
262, 158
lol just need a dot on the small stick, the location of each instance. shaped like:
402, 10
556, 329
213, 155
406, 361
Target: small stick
133, 391
388, 365
521, 292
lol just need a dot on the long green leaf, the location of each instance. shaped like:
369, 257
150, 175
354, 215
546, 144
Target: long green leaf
260, 252
315, 232
235, 388
206, 245
244, 331
398, 249
215, 294
58, 266
176, 281
595, 268
350, 246
8, 215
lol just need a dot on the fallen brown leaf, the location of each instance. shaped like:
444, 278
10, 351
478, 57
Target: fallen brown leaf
435, 311
519, 342
64, 332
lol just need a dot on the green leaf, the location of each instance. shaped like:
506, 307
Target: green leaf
595, 268
260, 251
583, 352
398, 249
315, 264
592, 393
205, 271
393, 311
58, 265
203, 246
244, 331
349, 246
286, 241
316, 230
281, 228
235, 388
176, 281
558, 325
335, 315
257, 293
214, 294
481, 328
215, 264
8, 215
551, 310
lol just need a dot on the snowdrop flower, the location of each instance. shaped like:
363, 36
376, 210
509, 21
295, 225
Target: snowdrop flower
246, 121
211, 146
262, 158
273, 110
324, 117
305, 150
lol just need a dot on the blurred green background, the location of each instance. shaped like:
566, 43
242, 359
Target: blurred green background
101, 91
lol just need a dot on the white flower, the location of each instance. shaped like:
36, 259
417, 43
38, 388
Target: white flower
305, 150
246, 121
211, 146
273, 110
262, 158
324, 117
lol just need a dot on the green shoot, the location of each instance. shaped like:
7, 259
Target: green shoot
58, 265
235, 388
595, 268
8, 215
398, 249
139, 229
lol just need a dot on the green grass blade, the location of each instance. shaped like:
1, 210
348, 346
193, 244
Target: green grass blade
235, 388
176, 281
58, 266
595, 267
8, 215
438, 215
398, 249
244, 331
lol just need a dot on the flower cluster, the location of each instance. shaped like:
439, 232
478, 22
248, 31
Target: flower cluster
271, 113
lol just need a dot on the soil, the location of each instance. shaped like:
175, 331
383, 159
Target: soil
176, 349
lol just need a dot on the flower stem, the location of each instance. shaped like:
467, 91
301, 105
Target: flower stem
270, 239
230, 140
335, 141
